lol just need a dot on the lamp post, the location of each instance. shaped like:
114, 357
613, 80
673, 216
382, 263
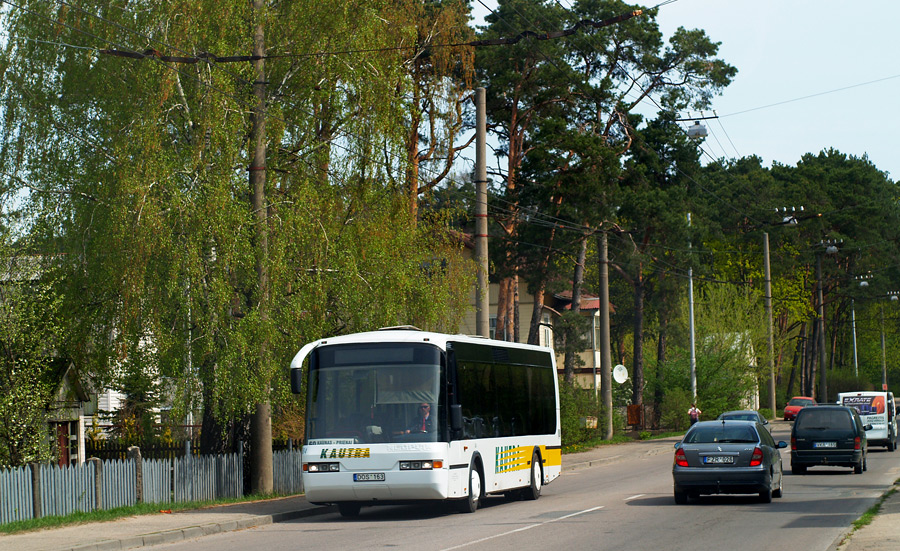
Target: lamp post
789, 218
862, 283
770, 330
830, 247
894, 297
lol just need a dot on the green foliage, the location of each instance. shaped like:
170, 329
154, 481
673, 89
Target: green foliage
674, 408
138, 172
575, 404
29, 334
766, 413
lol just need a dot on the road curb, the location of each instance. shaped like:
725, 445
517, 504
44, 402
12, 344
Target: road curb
190, 532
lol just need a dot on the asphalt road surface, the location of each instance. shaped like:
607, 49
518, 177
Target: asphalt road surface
625, 504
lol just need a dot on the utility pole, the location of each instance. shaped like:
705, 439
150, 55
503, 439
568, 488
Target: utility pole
482, 292
823, 361
883, 354
261, 481
605, 354
691, 316
770, 330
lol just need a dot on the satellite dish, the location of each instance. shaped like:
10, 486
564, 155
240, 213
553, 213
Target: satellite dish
620, 374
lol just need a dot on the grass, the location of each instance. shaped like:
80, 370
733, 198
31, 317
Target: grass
117, 513
869, 515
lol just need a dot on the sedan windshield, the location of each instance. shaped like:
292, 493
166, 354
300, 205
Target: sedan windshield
721, 434
799, 402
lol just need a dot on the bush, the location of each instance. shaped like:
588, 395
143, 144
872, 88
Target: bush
766, 413
674, 408
574, 404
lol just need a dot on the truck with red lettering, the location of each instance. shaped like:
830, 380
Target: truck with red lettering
876, 408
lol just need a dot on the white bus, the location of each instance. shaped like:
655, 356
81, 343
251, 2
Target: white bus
877, 409
493, 426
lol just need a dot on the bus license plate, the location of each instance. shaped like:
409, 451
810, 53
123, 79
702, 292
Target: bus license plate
719, 459
368, 477
824, 444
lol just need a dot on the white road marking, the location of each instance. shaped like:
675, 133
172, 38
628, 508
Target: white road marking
634, 497
522, 529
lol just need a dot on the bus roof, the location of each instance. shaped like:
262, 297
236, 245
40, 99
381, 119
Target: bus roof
407, 335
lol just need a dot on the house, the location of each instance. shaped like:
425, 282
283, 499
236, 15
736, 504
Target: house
71, 400
586, 376
72, 406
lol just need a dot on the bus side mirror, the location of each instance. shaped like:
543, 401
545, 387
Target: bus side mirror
456, 418
296, 380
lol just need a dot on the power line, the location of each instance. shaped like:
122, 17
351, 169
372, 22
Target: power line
867, 83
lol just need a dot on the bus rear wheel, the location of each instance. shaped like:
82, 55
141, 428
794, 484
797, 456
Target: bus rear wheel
537, 478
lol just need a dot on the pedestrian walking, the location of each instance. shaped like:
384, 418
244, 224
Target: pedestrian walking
694, 413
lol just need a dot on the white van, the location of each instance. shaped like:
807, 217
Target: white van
877, 409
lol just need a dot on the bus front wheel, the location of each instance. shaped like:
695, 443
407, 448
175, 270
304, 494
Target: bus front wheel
470, 504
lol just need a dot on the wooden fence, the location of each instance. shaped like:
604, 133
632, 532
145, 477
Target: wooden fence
40, 490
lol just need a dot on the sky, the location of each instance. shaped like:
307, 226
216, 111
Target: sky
812, 75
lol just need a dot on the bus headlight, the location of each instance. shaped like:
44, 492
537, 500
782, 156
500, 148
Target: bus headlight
321, 467
426, 465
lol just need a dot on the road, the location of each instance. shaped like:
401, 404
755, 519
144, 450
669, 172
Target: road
623, 504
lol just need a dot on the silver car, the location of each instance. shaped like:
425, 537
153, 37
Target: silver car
745, 415
728, 457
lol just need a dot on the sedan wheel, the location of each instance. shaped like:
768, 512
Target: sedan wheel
779, 492
681, 497
765, 496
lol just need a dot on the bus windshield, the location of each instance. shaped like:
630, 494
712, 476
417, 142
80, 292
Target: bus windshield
376, 393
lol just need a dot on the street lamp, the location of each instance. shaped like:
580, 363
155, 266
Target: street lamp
894, 298
862, 283
830, 247
789, 218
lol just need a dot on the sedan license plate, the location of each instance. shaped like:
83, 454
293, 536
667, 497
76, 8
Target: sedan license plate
368, 477
718, 459
824, 444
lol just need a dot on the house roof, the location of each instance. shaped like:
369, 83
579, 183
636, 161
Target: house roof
588, 301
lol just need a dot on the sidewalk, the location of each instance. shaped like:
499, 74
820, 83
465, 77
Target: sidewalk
146, 530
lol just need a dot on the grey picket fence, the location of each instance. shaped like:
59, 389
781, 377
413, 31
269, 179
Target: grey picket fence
207, 477
286, 469
109, 484
65, 490
16, 502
